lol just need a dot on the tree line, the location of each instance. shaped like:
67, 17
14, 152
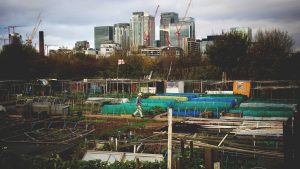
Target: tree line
269, 57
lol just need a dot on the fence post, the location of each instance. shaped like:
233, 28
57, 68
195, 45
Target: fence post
191, 150
182, 147
169, 138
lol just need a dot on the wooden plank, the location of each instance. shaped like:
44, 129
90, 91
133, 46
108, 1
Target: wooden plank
232, 114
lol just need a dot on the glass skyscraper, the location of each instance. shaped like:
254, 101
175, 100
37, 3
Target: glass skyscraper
142, 30
102, 34
166, 19
187, 30
170, 24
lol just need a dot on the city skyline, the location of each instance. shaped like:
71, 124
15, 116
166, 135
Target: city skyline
65, 22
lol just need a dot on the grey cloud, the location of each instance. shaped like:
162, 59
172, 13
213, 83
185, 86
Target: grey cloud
247, 9
296, 37
71, 20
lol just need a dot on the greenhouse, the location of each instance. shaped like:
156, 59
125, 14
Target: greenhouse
183, 104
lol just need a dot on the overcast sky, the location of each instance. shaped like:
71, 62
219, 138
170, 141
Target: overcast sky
66, 21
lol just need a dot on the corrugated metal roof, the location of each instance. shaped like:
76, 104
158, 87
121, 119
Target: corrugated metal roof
111, 157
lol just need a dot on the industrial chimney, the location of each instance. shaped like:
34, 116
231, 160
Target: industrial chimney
41, 43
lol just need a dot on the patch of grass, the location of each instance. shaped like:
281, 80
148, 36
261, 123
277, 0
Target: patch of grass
93, 120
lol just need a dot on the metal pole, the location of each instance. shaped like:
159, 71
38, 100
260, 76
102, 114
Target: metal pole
105, 88
134, 149
130, 88
123, 88
169, 71
118, 79
116, 144
169, 138
201, 87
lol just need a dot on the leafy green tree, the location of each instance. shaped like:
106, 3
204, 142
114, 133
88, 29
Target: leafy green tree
19, 61
228, 52
106, 68
291, 66
136, 66
73, 66
163, 66
269, 53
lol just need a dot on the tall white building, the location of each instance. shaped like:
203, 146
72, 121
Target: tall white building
142, 30
121, 35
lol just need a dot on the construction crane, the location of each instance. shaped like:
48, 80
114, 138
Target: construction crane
179, 28
34, 30
13, 28
47, 46
12, 34
151, 23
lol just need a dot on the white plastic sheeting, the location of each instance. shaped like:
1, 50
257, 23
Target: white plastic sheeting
219, 92
111, 157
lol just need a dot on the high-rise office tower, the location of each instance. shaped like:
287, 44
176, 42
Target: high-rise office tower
171, 24
142, 30
121, 35
186, 28
166, 19
102, 34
